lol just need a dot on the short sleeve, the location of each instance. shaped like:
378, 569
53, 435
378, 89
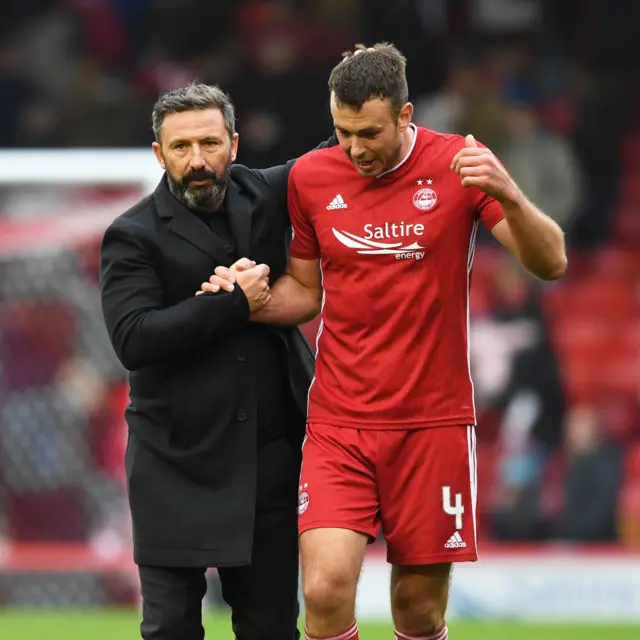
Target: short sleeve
305, 243
489, 210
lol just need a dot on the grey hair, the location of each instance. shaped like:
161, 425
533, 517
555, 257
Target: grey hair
193, 97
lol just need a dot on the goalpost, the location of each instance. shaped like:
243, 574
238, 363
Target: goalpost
51, 196
79, 166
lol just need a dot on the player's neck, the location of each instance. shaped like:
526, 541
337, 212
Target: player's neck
407, 145
408, 138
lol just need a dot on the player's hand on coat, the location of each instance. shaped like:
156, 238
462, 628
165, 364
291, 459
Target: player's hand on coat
251, 278
478, 167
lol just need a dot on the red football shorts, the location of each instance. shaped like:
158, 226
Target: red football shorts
419, 485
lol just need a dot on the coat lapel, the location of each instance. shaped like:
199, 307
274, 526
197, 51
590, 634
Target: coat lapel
239, 212
186, 224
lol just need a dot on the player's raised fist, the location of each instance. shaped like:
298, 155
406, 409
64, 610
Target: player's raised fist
478, 167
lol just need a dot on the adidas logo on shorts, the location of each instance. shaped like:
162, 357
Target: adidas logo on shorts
455, 542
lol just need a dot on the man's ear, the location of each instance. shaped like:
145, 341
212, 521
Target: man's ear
405, 116
157, 150
234, 146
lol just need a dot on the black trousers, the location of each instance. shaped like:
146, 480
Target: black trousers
264, 595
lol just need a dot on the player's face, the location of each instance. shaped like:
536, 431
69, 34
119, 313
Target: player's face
371, 136
197, 151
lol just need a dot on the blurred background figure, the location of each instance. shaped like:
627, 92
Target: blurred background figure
510, 347
592, 482
467, 102
541, 162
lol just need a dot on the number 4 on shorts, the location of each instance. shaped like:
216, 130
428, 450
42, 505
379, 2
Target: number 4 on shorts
452, 510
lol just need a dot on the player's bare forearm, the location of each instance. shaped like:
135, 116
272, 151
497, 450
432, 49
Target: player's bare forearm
294, 299
536, 239
292, 303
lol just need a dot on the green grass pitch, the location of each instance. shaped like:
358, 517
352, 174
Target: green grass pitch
116, 625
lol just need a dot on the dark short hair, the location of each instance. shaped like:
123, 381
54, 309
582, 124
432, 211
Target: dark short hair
377, 72
191, 98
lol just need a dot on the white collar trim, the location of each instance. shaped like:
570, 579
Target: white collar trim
413, 144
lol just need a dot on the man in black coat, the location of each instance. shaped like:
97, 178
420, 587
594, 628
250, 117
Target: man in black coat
217, 412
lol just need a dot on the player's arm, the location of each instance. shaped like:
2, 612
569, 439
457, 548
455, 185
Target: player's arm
530, 235
276, 177
296, 297
533, 238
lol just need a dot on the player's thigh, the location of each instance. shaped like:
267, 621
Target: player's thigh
331, 562
337, 481
427, 482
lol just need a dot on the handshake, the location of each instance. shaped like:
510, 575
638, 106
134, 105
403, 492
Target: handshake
253, 279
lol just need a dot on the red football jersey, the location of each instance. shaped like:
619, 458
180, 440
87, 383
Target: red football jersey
396, 254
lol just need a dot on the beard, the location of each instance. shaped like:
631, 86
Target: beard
203, 198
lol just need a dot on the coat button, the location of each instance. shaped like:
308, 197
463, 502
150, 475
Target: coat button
228, 248
241, 415
241, 357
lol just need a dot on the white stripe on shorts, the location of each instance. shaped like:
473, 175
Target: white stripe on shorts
473, 477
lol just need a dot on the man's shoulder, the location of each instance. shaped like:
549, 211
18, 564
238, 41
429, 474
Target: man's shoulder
320, 167
241, 172
137, 217
437, 140
257, 182
445, 141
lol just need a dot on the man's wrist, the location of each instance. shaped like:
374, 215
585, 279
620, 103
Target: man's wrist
513, 201
257, 315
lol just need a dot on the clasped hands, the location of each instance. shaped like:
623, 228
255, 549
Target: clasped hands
252, 278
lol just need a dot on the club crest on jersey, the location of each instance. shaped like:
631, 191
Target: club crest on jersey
425, 199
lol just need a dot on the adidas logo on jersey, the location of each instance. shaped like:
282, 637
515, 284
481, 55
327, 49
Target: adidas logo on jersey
337, 203
455, 542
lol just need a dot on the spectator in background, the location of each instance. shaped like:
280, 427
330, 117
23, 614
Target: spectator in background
443, 110
28, 118
541, 162
592, 482
504, 17
284, 55
467, 103
16, 93
509, 350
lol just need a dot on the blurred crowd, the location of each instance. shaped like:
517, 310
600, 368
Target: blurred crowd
551, 87
547, 85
